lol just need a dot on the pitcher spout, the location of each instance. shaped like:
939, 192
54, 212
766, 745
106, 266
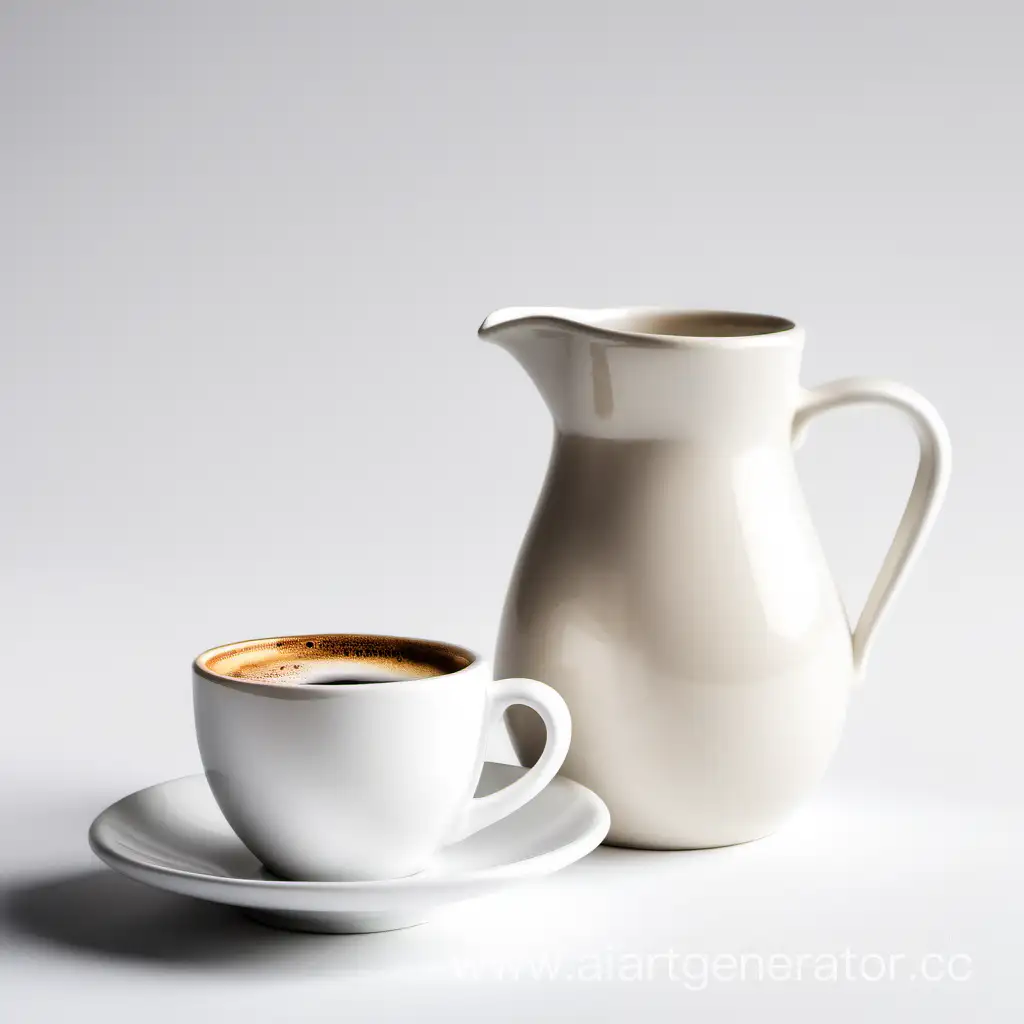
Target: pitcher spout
504, 325
542, 339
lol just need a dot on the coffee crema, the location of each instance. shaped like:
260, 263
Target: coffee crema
325, 659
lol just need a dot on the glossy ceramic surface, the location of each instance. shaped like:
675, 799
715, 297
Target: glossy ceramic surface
174, 837
358, 781
671, 585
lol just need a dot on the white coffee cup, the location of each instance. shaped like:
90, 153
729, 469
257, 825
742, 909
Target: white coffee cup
343, 757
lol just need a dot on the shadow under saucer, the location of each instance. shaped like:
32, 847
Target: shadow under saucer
102, 914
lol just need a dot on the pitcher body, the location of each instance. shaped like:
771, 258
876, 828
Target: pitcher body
671, 585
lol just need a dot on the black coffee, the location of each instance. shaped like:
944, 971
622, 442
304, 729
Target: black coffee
334, 659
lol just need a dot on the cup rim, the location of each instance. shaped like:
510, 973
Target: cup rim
199, 663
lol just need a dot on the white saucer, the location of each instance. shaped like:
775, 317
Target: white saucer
173, 836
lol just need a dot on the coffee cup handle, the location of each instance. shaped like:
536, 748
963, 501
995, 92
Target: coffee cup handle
502, 694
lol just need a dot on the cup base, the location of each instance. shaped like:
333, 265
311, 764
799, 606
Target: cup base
348, 923
277, 876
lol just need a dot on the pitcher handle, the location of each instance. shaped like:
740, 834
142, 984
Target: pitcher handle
925, 497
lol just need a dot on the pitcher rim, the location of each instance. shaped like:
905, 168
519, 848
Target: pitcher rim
649, 325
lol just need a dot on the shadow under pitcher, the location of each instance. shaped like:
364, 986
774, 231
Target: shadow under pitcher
671, 585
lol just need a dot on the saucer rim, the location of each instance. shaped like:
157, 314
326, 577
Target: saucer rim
538, 864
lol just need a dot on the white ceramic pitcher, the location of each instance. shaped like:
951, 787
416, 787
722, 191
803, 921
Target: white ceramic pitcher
671, 585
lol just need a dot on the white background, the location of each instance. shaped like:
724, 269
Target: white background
244, 248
